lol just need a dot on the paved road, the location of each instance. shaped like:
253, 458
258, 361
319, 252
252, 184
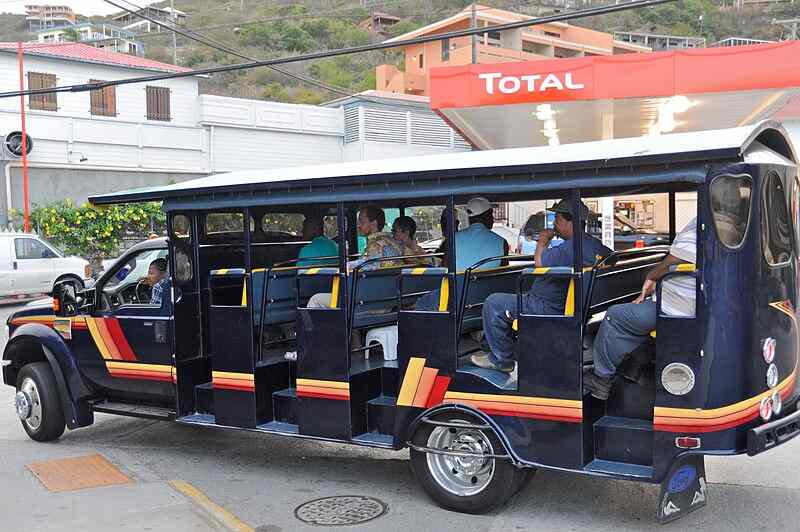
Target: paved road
261, 479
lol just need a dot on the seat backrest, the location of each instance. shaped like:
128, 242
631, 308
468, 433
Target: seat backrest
619, 277
478, 285
375, 297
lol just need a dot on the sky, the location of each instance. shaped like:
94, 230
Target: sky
82, 7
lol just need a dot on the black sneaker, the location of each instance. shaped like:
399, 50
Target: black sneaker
598, 386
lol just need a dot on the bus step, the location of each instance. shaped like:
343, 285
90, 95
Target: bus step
280, 427
375, 439
204, 398
624, 439
380, 414
610, 467
125, 409
285, 405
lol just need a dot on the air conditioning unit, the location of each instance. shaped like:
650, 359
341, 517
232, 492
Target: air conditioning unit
13, 143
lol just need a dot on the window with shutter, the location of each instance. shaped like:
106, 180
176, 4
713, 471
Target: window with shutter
103, 101
158, 103
42, 102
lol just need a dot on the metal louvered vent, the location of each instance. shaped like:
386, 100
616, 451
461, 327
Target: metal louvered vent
385, 125
429, 130
351, 133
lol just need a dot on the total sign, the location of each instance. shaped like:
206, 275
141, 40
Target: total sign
496, 81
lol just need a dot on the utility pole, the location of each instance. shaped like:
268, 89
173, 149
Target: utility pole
790, 24
175, 35
474, 24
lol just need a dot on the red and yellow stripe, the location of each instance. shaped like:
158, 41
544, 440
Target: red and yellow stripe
422, 387
519, 406
78, 322
716, 419
228, 380
336, 390
109, 339
140, 371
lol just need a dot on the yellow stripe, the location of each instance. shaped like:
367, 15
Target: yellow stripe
223, 271
418, 271
410, 382
335, 293
587, 269
515, 325
312, 271
158, 368
230, 521
516, 399
685, 268
444, 294
259, 270
233, 375
244, 293
653, 333
324, 384
569, 306
540, 271
98, 338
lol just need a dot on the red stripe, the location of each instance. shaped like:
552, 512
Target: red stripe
436, 396
321, 396
706, 428
234, 387
141, 376
120, 341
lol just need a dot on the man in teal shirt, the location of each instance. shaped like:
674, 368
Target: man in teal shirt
320, 245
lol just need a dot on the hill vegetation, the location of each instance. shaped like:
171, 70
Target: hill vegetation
279, 28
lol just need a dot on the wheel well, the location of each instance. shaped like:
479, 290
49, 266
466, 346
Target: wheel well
21, 353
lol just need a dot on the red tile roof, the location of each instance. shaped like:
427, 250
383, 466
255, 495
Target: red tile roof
83, 52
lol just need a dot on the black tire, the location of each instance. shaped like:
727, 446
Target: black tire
502, 485
52, 424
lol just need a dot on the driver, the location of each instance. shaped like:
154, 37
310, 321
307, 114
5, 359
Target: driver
158, 280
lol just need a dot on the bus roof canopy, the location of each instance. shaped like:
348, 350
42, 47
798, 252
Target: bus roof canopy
606, 163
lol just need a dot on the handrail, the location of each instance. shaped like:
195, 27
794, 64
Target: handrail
616, 256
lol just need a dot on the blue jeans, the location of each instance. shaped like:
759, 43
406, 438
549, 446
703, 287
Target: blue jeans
624, 328
497, 323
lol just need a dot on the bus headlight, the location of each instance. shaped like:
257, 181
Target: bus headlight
768, 350
777, 403
677, 378
772, 376
765, 408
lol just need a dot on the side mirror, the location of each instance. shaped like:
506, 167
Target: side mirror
65, 301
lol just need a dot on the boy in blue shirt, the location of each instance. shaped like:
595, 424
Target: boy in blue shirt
320, 245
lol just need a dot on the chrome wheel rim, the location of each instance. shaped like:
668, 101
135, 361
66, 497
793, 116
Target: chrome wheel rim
34, 407
461, 475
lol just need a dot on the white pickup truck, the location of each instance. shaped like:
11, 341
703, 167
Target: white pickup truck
31, 265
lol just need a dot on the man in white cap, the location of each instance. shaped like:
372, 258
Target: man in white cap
473, 244
546, 295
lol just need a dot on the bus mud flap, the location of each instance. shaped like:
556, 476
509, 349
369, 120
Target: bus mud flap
684, 489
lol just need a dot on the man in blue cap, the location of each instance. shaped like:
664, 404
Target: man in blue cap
546, 295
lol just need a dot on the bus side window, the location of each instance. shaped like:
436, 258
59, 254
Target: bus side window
776, 227
730, 204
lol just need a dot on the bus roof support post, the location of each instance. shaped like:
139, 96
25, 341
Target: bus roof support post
672, 228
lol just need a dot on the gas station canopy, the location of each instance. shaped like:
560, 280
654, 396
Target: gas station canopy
561, 101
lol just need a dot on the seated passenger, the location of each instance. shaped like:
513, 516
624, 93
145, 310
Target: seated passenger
473, 244
404, 228
444, 245
371, 222
547, 295
320, 245
628, 326
158, 280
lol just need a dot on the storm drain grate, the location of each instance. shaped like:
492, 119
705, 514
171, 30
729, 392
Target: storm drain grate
341, 510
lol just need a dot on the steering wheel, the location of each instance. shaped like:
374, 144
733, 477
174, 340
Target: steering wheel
142, 292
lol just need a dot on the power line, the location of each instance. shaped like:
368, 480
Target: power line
601, 10
208, 41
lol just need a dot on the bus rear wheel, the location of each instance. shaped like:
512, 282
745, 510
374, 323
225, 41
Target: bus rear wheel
471, 481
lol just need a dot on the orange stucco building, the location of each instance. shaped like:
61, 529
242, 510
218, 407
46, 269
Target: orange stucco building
546, 41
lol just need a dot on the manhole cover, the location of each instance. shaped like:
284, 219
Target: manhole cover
342, 510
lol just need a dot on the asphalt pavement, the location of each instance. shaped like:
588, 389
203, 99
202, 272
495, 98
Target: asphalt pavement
247, 481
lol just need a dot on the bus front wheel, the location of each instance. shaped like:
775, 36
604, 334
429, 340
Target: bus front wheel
462, 475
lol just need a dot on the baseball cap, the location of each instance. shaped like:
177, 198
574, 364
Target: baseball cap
565, 206
477, 206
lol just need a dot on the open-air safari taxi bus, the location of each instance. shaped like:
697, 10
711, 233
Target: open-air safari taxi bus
236, 345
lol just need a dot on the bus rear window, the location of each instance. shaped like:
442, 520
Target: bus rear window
730, 205
776, 227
